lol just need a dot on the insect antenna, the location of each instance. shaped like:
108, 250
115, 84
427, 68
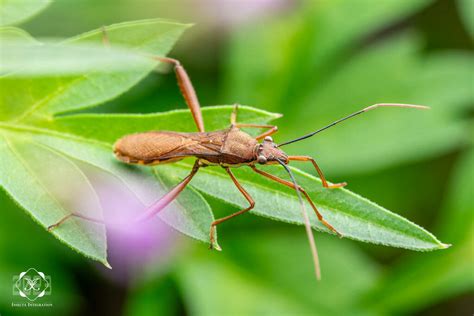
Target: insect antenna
367, 109
307, 224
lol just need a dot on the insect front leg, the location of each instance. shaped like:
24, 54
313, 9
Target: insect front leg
233, 121
221, 220
320, 172
272, 129
233, 115
291, 185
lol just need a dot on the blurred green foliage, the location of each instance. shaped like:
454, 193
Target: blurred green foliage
313, 62
16, 11
335, 72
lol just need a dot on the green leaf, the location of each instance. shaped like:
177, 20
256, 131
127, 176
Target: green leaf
66, 59
44, 171
42, 97
19, 37
16, 11
352, 215
39, 188
36, 140
109, 127
194, 218
13, 33
41, 248
190, 214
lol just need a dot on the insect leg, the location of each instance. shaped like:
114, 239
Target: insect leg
105, 37
320, 172
65, 218
168, 197
184, 83
221, 220
150, 212
233, 121
187, 90
291, 185
233, 115
272, 129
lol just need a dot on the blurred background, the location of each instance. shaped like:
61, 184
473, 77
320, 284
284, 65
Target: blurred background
313, 61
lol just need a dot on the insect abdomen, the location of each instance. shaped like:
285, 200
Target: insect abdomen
149, 147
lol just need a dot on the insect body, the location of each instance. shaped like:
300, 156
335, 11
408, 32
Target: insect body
226, 148
230, 147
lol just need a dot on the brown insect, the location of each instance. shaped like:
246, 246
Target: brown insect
227, 148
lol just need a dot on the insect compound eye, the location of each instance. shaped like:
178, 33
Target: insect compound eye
268, 139
261, 159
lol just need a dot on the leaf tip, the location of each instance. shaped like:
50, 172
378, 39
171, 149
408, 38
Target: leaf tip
107, 264
444, 246
216, 246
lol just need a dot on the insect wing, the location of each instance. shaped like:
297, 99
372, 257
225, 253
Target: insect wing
156, 147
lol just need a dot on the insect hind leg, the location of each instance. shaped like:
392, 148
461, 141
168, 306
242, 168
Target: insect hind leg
187, 90
169, 197
184, 82
72, 215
